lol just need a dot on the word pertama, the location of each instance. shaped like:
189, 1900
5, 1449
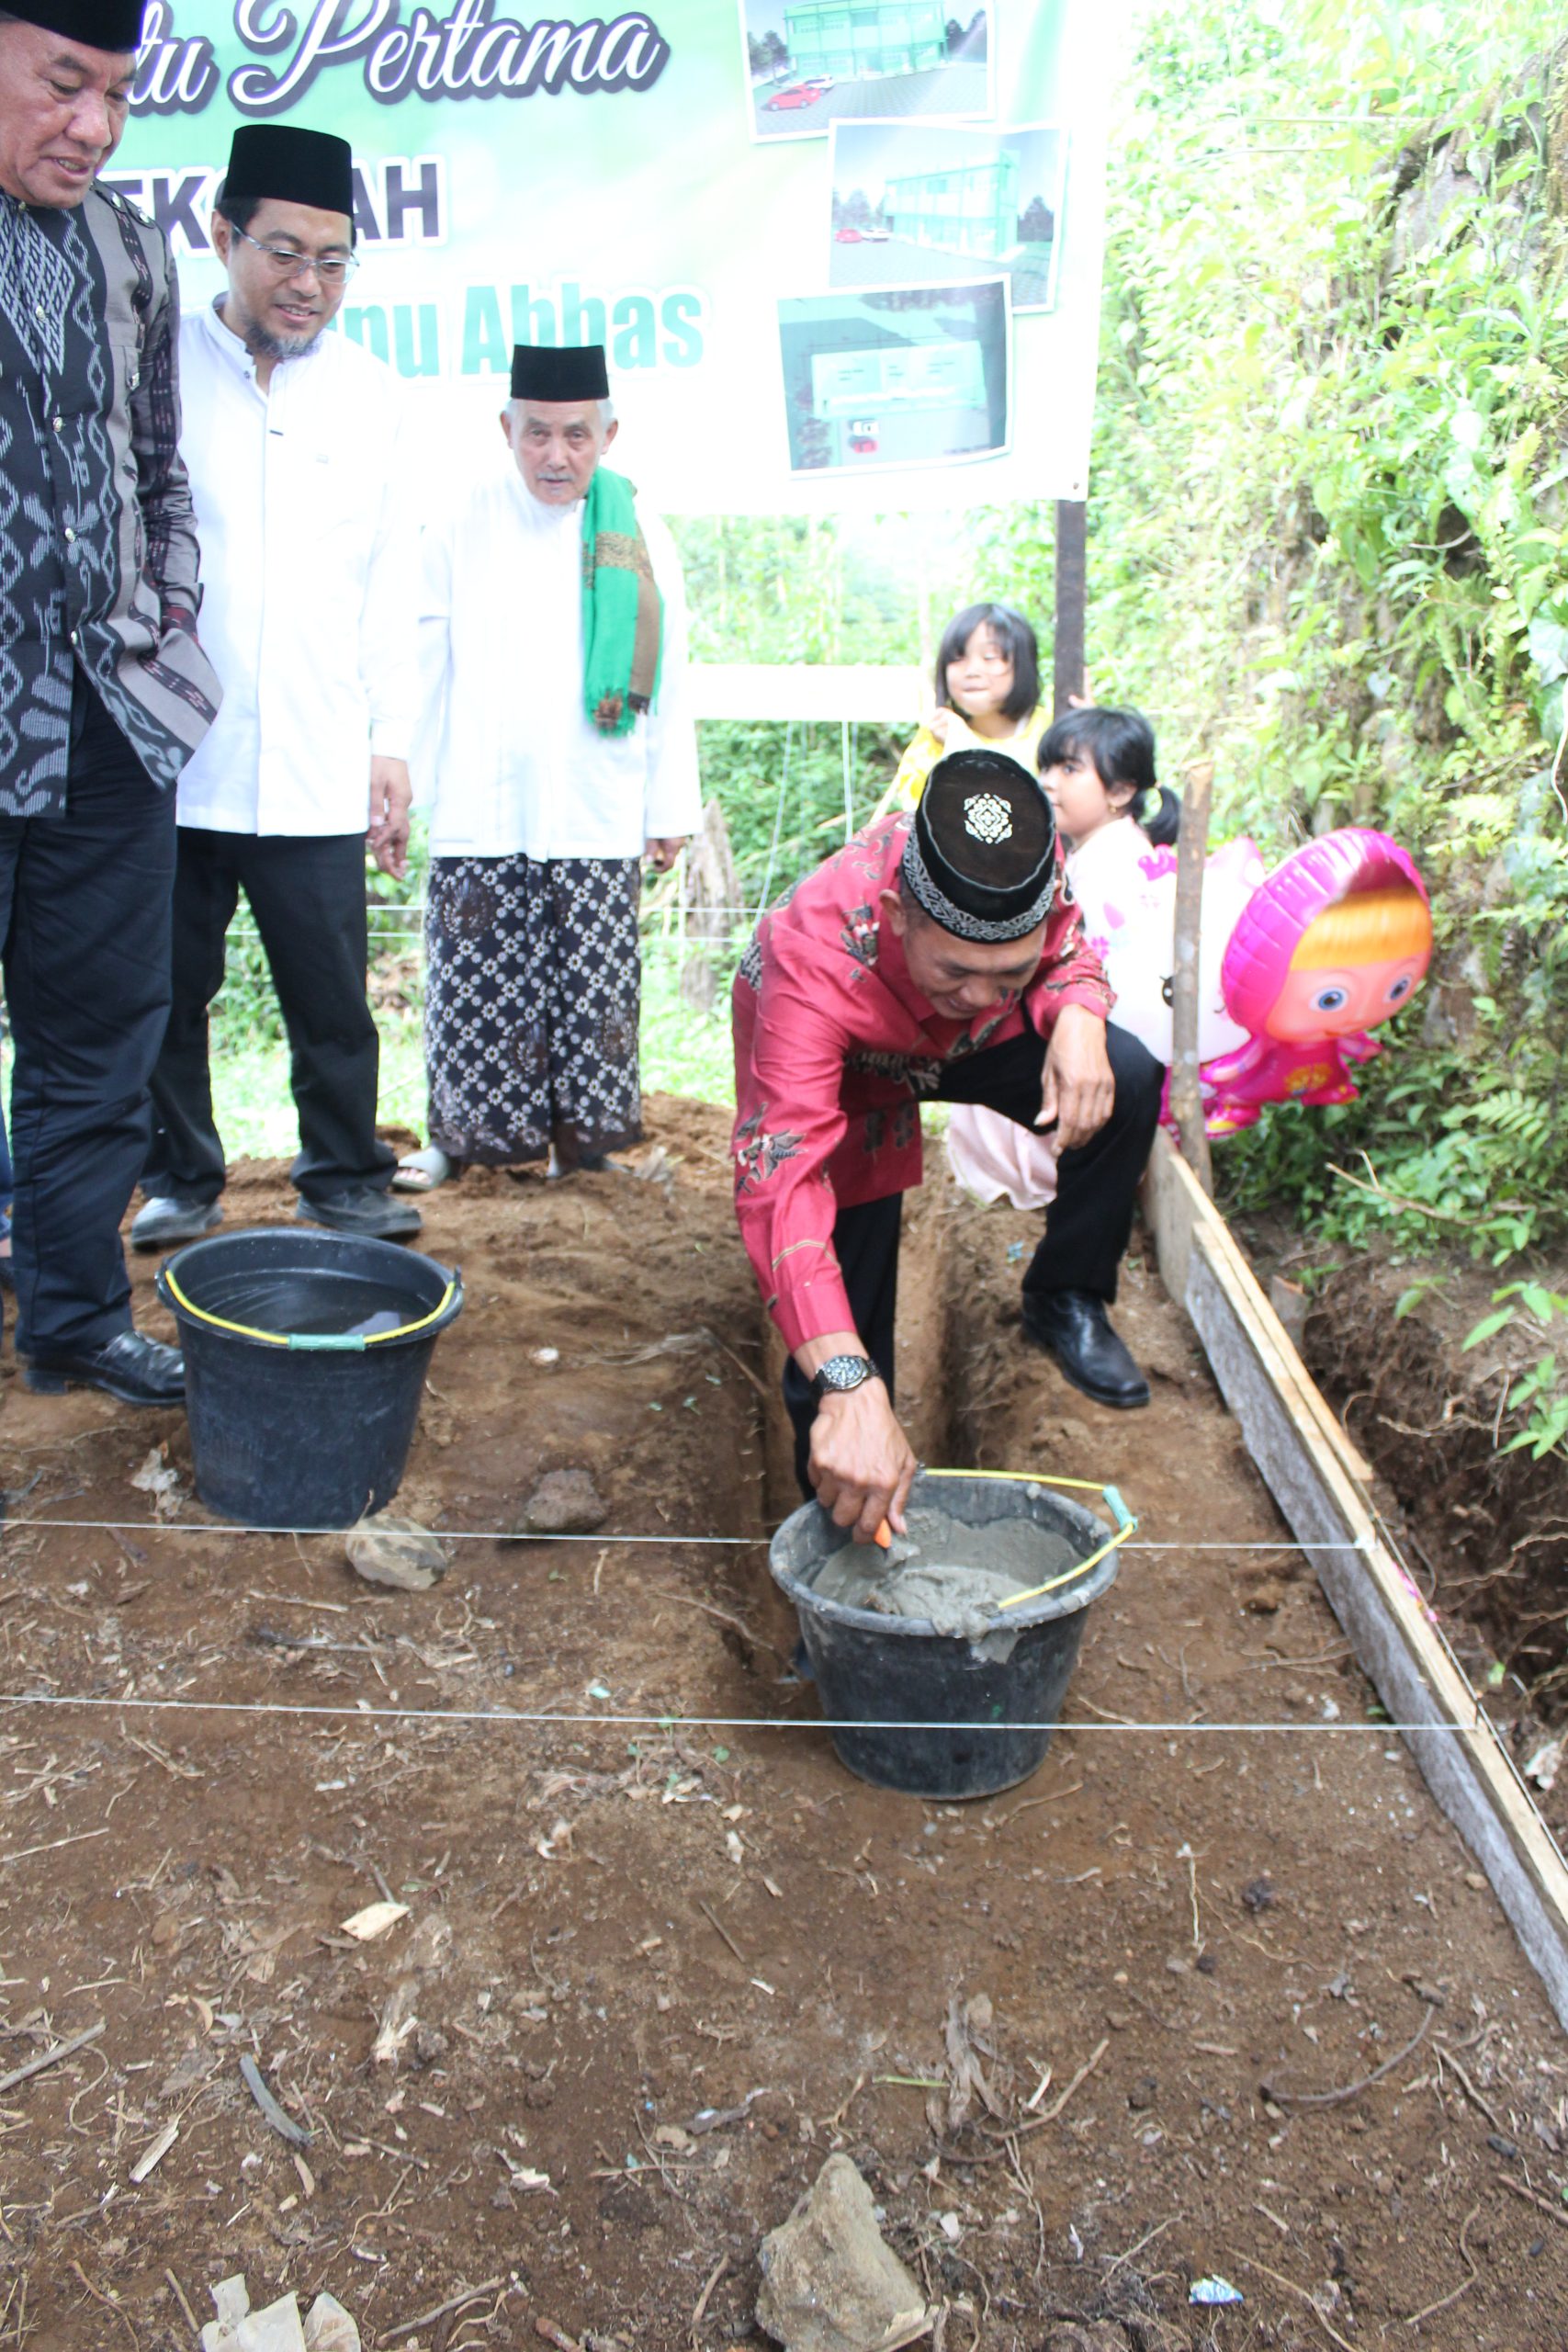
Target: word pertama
466, 54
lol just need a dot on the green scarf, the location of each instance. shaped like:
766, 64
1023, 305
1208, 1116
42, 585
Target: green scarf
623, 612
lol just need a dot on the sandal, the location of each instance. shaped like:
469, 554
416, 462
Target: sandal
422, 1172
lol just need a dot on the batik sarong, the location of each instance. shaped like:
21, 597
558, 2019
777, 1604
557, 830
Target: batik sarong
531, 1007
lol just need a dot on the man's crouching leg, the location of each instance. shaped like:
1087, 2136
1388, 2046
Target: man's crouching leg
1072, 1279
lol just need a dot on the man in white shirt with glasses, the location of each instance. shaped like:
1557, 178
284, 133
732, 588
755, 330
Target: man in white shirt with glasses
293, 438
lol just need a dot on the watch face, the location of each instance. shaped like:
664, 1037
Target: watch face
844, 1371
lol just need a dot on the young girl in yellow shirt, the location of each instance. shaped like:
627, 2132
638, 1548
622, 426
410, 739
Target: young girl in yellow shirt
987, 691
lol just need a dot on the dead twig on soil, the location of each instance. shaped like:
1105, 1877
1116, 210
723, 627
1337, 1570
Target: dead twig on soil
108, 2303
763, 1393
1465, 2284
1049, 2114
725, 1617
179, 2295
51, 2057
714, 2275
1301, 2295
720, 1929
1026, 2190
1518, 2189
1029, 1803
1191, 1858
440, 2311
54, 1846
1147, 2239
1350, 2090
1445, 2058
831, 2122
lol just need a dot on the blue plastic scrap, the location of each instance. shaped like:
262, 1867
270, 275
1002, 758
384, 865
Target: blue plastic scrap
1214, 2291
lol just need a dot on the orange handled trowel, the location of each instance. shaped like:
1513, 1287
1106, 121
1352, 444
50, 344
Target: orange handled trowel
897, 1547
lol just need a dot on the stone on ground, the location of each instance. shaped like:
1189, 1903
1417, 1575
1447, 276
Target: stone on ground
829, 2282
565, 1502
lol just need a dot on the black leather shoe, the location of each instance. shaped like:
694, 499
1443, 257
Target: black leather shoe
373, 1215
164, 1219
137, 1370
1074, 1326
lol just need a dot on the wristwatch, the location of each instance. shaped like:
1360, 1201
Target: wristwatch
840, 1373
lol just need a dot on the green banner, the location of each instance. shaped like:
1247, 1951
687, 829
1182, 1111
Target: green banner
841, 253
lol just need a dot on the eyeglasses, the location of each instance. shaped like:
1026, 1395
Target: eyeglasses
333, 269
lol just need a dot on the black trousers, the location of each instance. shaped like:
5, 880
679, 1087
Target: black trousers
1087, 1225
85, 942
308, 897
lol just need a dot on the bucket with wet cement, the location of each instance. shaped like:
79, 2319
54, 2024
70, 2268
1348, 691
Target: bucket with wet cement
305, 1359
916, 1639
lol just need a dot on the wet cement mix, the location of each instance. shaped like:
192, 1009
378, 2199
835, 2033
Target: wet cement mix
514, 2031
951, 1577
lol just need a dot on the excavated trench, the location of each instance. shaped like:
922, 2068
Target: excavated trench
1489, 1528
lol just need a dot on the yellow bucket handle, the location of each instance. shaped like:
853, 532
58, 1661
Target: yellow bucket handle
1125, 1523
318, 1341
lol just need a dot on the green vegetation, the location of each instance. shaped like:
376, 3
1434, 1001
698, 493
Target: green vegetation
1328, 544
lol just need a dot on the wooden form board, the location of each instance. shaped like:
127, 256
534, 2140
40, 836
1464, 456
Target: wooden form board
1312, 1472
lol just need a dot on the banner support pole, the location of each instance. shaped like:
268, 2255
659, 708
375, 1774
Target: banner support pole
1071, 597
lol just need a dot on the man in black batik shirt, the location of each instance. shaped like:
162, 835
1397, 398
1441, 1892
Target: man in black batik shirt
104, 689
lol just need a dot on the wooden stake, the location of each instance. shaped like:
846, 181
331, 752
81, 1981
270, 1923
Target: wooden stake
1186, 1095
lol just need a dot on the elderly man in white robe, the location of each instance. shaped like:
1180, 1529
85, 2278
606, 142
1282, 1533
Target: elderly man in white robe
294, 438
561, 753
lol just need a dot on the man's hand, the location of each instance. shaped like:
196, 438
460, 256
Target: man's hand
388, 834
661, 853
1079, 1091
861, 1462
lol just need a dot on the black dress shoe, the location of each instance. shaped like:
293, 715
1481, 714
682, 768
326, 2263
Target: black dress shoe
163, 1218
1074, 1326
137, 1370
373, 1215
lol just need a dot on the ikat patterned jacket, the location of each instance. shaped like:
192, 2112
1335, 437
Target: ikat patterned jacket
834, 1047
97, 542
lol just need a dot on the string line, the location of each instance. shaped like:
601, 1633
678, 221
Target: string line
529, 1718
527, 1536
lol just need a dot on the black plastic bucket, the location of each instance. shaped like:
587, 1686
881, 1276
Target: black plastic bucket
978, 1705
305, 1358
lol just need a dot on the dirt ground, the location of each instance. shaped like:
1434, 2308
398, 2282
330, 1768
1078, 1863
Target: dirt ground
653, 1972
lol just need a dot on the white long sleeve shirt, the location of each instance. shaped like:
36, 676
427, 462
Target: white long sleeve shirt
310, 570
509, 762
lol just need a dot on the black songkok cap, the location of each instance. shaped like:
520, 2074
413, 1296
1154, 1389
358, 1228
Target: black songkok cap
112, 25
981, 856
542, 371
294, 166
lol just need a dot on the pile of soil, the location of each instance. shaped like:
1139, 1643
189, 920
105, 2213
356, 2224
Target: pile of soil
1085, 2041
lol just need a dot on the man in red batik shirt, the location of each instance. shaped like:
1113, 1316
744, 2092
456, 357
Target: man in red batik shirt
936, 955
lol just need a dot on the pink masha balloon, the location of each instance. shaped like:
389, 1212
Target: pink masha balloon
1337, 939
